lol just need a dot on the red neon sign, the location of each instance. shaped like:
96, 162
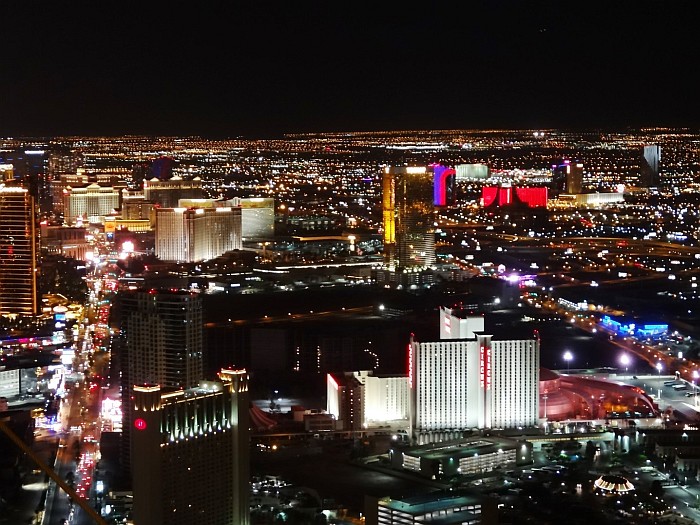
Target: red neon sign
485, 367
140, 424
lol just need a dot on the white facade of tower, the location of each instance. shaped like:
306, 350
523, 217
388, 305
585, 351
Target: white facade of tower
515, 379
472, 172
460, 384
454, 327
197, 234
386, 398
91, 203
444, 386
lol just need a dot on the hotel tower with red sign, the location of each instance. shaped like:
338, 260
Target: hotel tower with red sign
471, 381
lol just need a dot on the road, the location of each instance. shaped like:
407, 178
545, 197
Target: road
79, 415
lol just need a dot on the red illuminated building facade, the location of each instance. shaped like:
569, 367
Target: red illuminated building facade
564, 397
506, 195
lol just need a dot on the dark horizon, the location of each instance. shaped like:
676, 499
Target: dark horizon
214, 136
267, 70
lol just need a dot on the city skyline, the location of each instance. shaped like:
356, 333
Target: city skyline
567, 314
327, 263
263, 71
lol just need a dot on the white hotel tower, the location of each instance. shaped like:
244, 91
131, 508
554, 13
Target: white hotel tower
471, 381
197, 234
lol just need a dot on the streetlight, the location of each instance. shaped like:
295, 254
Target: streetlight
695, 391
568, 356
625, 361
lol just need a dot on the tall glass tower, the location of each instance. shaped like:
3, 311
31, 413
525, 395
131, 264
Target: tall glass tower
649, 176
162, 345
407, 217
18, 292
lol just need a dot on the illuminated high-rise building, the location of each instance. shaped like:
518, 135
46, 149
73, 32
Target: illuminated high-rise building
257, 214
455, 326
167, 193
91, 203
507, 196
18, 252
466, 172
136, 207
346, 399
190, 450
257, 217
361, 399
161, 345
407, 217
444, 185
197, 234
472, 382
649, 176
567, 177
61, 183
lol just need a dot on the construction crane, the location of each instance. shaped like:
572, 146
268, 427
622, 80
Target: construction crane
83, 503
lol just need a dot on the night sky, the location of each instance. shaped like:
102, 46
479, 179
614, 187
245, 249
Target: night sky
221, 70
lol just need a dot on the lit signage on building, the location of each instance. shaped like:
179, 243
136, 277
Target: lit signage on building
140, 424
443, 185
485, 367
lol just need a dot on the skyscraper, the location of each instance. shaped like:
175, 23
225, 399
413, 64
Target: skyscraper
190, 450
471, 382
91, 203
472, 171
444, 185
567, 177
18, 252
346, 399
65, 184
454, 326
407, 217
361, 399
162, 345
257, 217
649, 176
167, 193
197, 234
